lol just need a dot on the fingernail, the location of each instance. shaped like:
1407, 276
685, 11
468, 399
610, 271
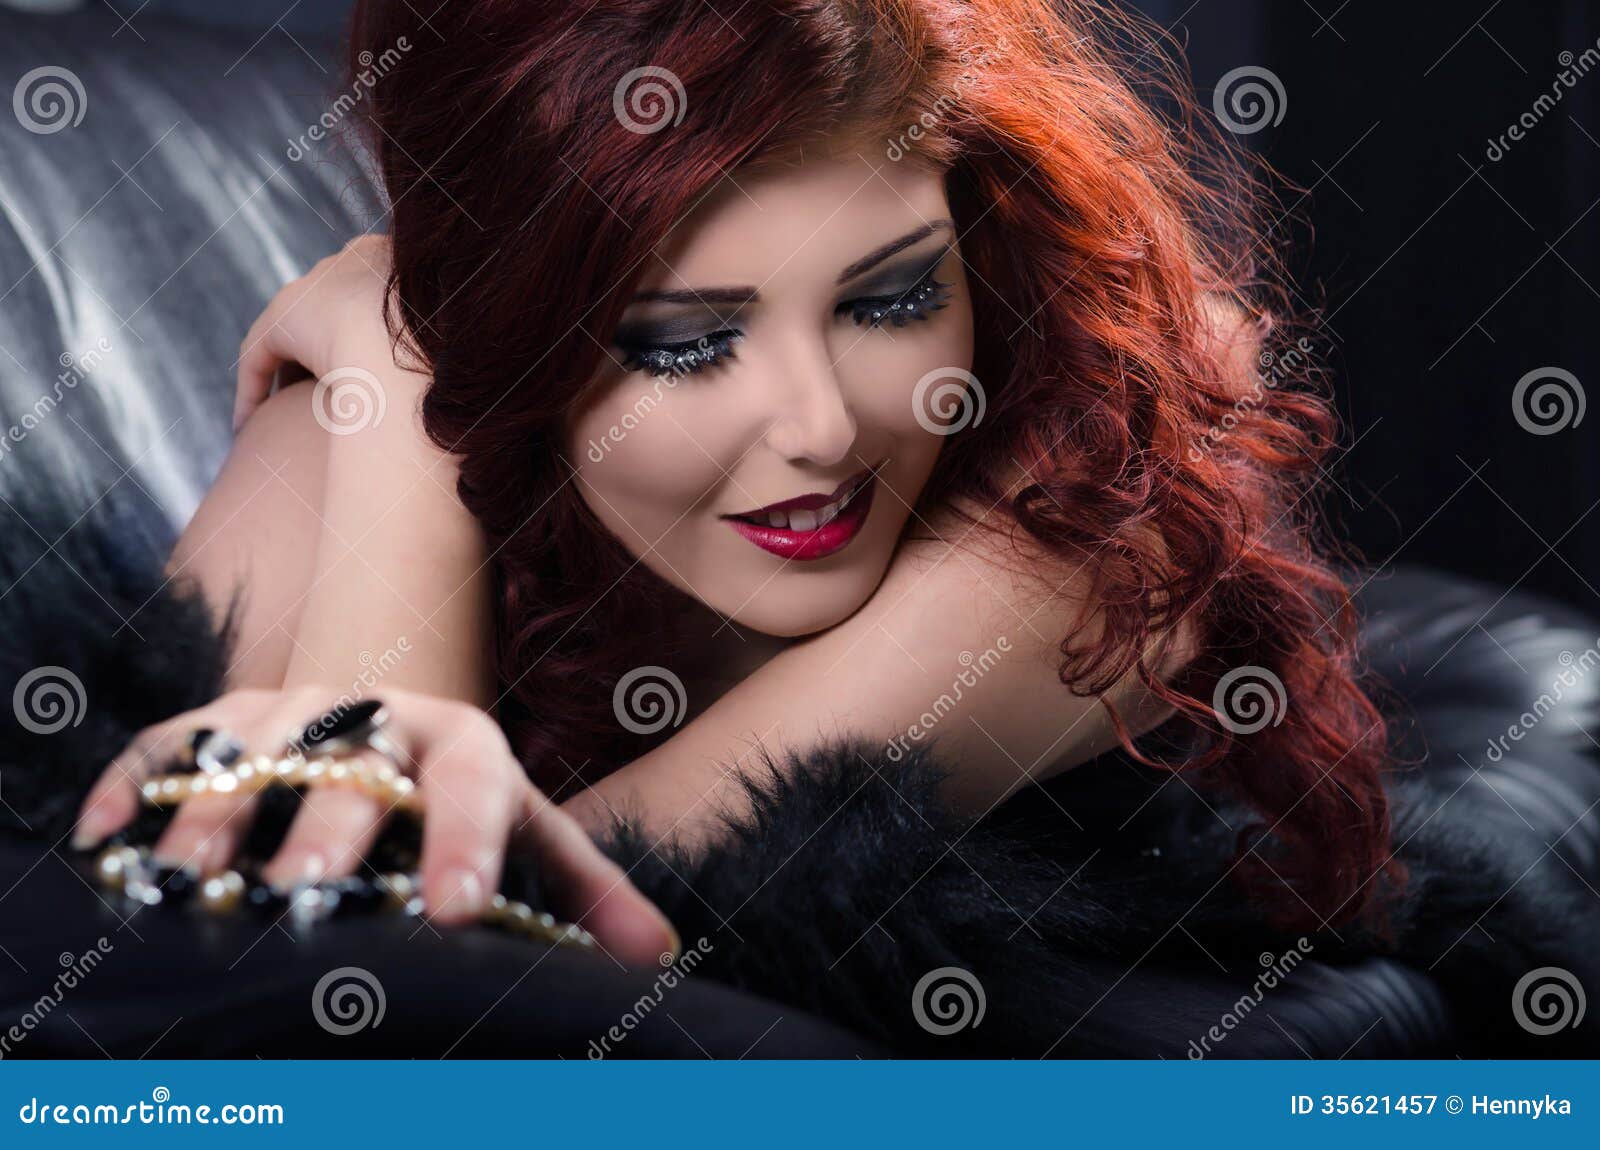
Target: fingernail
92, 828
463, 893
295, 872
192, 855
174, 858
674, 944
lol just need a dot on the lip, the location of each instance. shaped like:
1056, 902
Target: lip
823, 540
811, 500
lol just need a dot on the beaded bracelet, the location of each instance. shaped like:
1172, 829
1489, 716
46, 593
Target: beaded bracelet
130, 871
380, 780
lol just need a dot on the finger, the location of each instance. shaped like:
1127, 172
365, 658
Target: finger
332, 832
114, 800
206, 831
589, 886
470, 787
265, 346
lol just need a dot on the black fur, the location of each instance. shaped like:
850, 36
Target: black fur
1094, 913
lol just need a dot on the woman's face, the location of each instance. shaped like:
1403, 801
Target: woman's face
764, 425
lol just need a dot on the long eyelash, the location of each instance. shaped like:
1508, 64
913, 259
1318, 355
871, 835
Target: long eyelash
925, 296
919, 301
683, 358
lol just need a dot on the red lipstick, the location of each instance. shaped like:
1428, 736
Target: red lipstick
800, 532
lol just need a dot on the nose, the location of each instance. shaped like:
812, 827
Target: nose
812, 421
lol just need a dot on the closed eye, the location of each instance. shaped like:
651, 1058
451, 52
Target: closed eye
919, 301
681, 359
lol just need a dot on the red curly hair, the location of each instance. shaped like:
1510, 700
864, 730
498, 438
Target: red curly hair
1122, 288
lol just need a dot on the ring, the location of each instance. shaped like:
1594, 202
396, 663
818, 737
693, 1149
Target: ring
207, 750
215, 753
358, 728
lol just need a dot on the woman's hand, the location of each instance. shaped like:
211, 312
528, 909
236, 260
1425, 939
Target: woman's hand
475, 798
336, 305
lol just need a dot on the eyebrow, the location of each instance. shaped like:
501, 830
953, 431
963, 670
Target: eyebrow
742, 295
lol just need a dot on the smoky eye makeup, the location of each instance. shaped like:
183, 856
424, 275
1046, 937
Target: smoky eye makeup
681, 345
683, 357
900, 277
677, 344
874, 306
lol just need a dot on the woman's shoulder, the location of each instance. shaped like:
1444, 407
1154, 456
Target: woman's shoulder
960, 643
965, 551
972, 579
961, 551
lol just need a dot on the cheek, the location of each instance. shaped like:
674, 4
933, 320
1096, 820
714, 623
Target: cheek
903, 379
650, 448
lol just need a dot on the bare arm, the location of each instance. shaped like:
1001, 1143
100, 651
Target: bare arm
400, 563
953, 646
341, 518
370, 565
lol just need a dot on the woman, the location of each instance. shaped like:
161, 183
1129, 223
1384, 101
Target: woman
793, 362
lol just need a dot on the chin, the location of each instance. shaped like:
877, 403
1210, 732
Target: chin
782, 613
806, 597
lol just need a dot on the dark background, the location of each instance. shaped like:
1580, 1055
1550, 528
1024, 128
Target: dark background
1444, 276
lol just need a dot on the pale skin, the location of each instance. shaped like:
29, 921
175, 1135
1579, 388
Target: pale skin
347, 542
